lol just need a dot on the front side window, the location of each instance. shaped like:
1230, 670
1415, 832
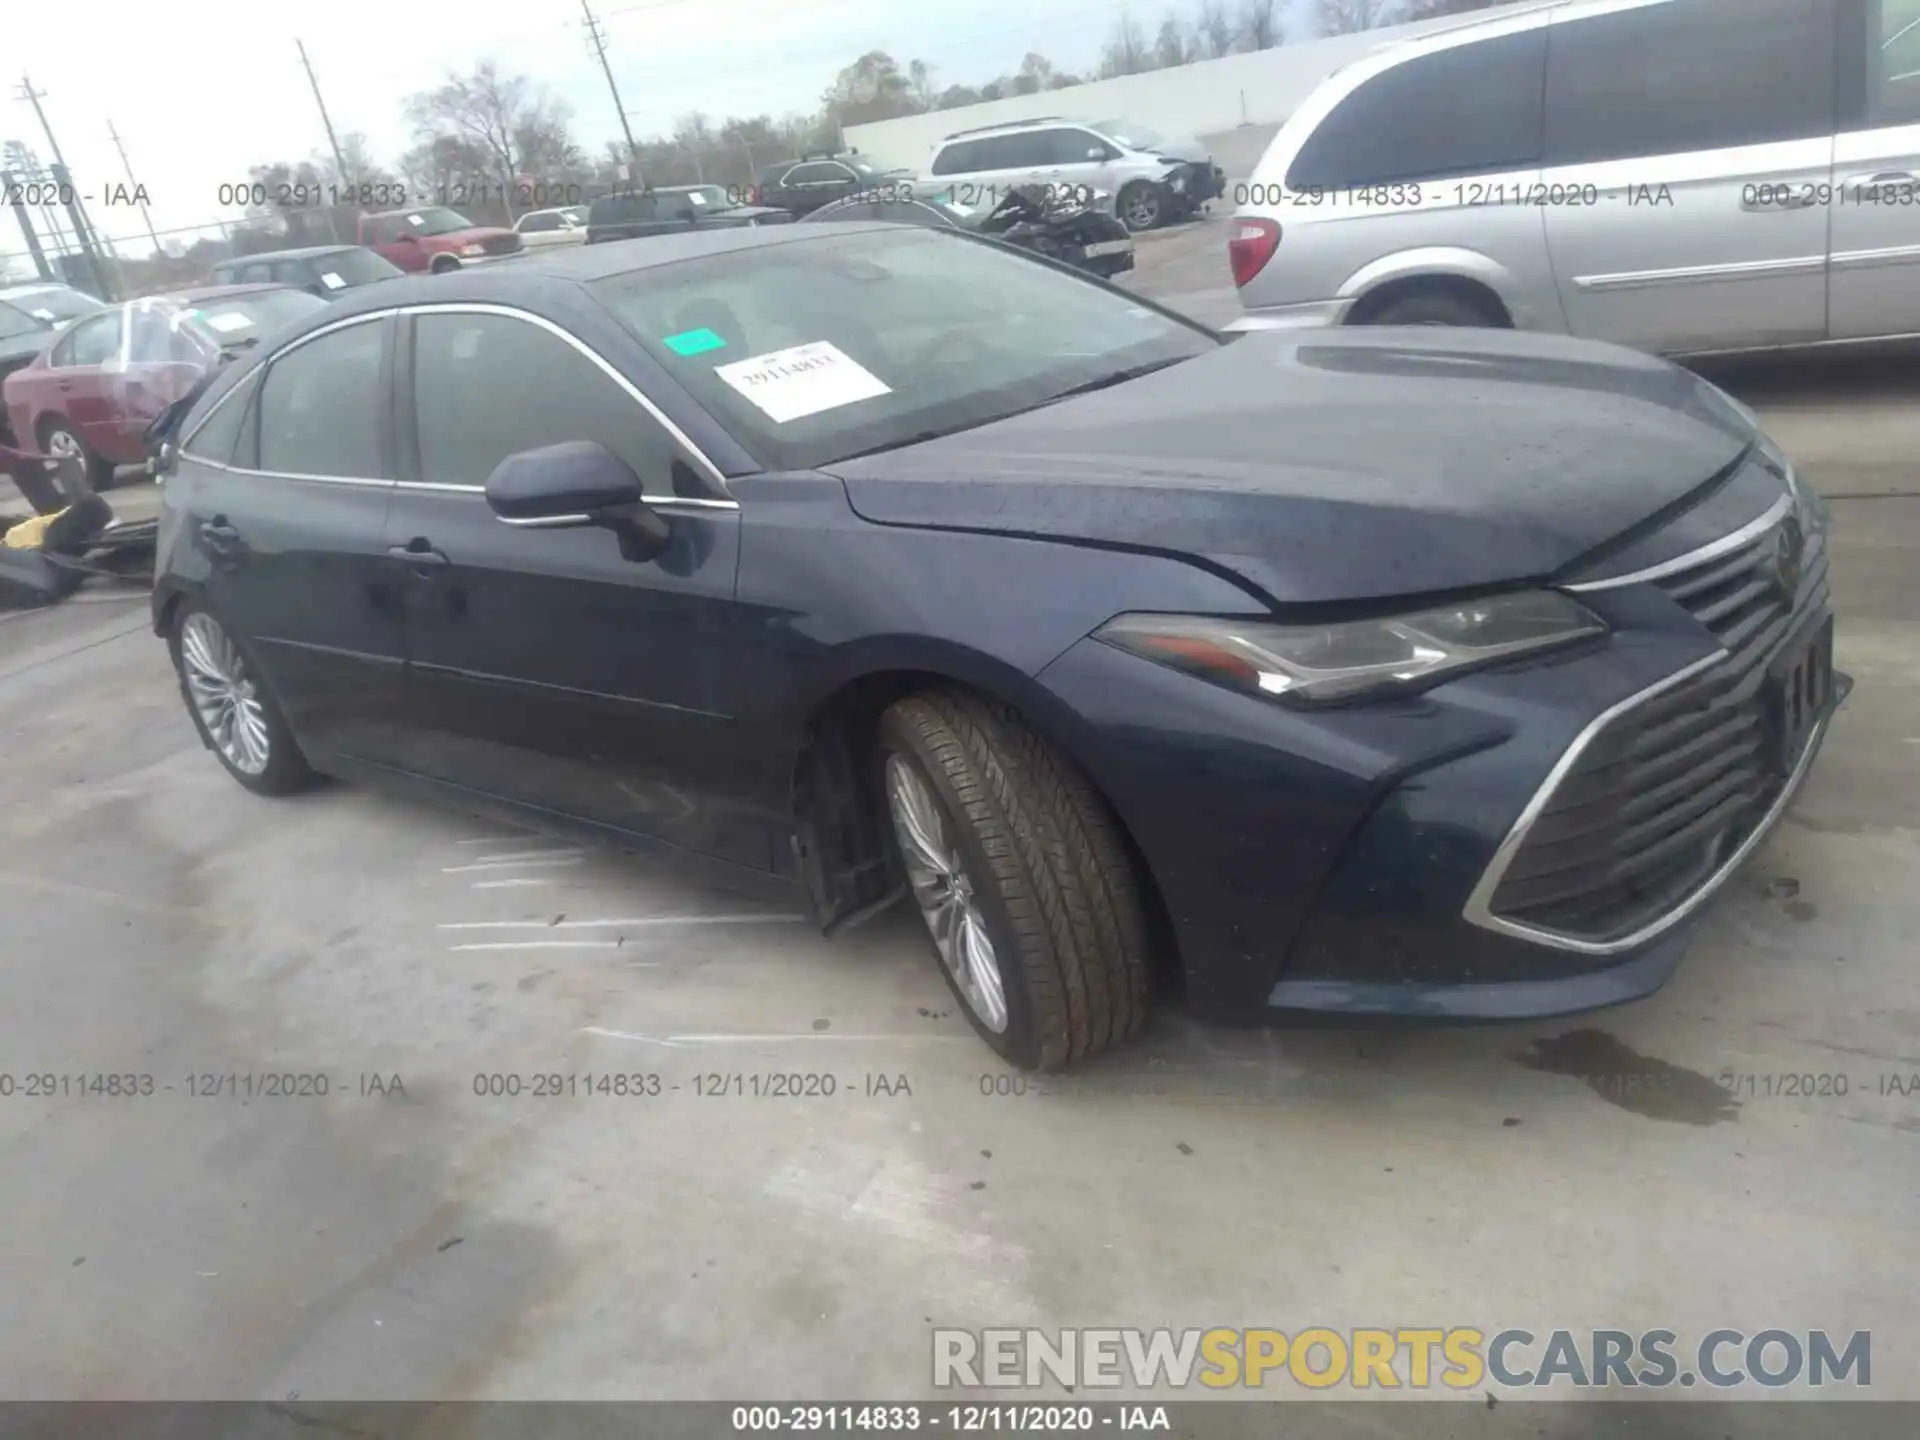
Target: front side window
1471, 109
960, 158
540, 220
321, 410
843, 343
488, 386
1689, 76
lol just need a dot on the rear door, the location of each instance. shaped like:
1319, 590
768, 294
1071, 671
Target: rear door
284, 491
545, 667
85, 369
1688, 154
1873, 284
163, 361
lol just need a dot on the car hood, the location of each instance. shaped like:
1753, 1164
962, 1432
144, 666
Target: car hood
749, 212
1180, 146
1338, 465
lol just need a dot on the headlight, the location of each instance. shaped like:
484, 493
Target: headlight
473, 249
1356, 659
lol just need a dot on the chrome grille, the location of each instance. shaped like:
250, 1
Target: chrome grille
1666, 791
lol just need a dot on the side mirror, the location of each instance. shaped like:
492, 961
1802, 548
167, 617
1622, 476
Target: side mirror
577, 482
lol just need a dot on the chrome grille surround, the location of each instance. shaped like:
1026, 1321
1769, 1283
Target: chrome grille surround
1660, 798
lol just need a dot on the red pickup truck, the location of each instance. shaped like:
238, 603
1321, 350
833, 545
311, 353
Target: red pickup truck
435, 238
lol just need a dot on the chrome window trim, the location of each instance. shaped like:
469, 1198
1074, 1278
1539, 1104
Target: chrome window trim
479, 492
252, 377
363, 481
1479, 908
639, 396
1725, 545
261, 368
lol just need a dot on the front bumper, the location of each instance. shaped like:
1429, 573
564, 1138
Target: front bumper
1331, 860
1199, 181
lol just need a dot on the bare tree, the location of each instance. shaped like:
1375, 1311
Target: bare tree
488, 112
920, 80
1348, 17
1259, 25
1434, 9
1126, 52
1174, 45
1213, 32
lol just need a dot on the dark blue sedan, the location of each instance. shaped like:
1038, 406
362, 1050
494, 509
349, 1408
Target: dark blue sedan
1431, 672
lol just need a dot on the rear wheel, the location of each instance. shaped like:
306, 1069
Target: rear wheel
1436, 307
1021, 875
442, 264
63, 443
236, 718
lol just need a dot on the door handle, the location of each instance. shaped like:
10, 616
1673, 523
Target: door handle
219, 539
1859, 183
419, 556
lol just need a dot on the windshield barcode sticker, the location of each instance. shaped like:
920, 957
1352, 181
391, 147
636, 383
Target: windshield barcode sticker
803, 380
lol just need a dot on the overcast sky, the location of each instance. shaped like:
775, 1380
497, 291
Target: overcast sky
202, 89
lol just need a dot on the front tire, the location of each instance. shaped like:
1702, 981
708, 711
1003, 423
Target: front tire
1141, 206
1022, 876
237, 719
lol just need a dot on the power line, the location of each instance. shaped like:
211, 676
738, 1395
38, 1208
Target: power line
128, 166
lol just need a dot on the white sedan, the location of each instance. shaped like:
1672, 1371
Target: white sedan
542, 229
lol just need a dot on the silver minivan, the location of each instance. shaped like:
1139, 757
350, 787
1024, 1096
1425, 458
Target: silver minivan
1677, 175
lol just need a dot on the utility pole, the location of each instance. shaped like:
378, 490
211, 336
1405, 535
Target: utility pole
85, 237
128, 166
599, 39
339, 163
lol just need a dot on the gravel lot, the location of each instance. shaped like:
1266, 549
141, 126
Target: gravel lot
418, 1240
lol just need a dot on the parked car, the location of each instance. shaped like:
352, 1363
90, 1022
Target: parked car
1027, 217
435, 239
1680, 176
31, 316
90, 396
1441, 673
1154, 179
543, 229
328, 271
802, 186
671, 209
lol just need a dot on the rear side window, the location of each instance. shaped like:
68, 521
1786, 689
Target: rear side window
1688, 76
321, 410
488, 386
1893, 95
215, 437
1467, 110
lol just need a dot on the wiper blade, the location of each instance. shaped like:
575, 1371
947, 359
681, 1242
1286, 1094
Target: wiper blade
1118, 377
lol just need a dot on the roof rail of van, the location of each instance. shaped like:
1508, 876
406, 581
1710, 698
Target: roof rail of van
1008, 125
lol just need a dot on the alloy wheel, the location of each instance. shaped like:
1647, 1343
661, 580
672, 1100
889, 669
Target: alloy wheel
65, 444
945, 893
1142, 210
223, 694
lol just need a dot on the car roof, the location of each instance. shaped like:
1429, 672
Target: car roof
305, 252
1009, 126
201, 294
531, 275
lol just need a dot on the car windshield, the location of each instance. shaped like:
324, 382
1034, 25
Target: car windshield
240, 319
1137, 137
52, 304
15, 323
850, 342
436, 220
339, 269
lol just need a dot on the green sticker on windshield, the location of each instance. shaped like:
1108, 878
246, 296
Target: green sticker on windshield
694, 342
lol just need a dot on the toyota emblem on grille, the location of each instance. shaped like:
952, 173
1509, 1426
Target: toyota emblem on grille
1787, 544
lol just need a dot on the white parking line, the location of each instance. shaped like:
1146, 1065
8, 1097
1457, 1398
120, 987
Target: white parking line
554, 945
498, 839
617, 924
511, 862
678, 1041
504, 884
